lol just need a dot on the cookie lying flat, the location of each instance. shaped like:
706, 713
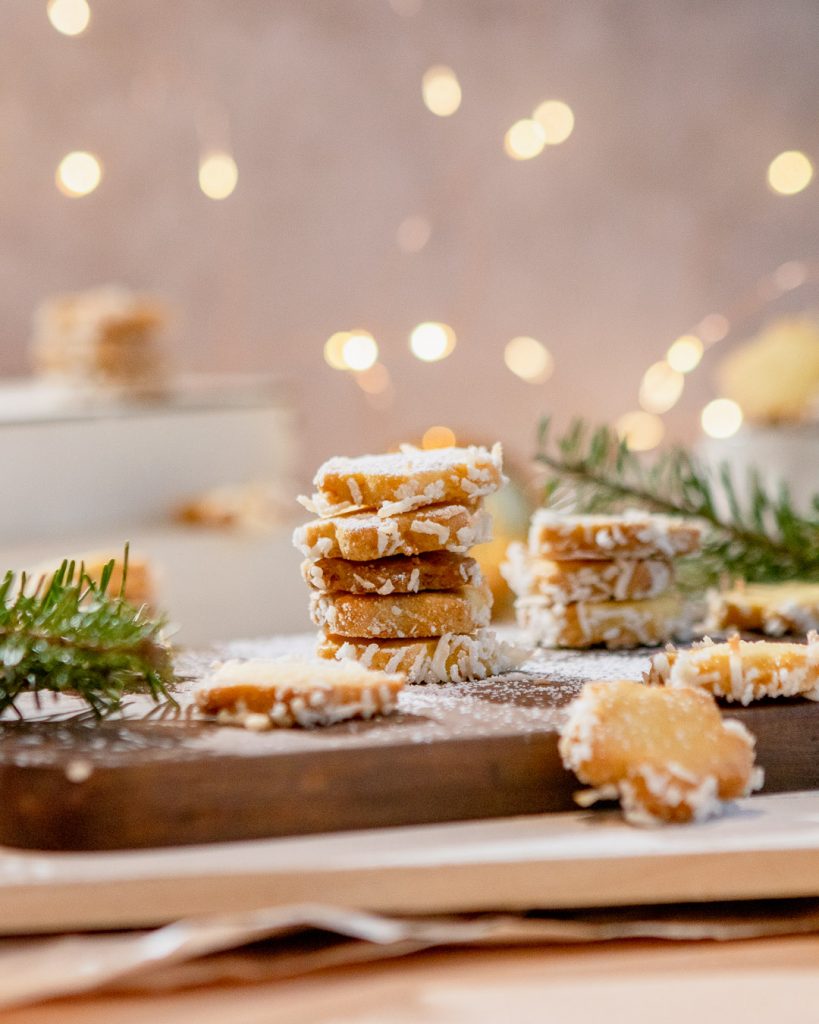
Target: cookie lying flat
667, 754
631, 535
741, 670
261, 694
571, 580
401, 574
404, 480
447, 659
772, 608
403, 615
613, 624
364, 536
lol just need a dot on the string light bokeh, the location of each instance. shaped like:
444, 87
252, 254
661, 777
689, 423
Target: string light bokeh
385, 190
78, 174
218, 175
441, 91
69, 17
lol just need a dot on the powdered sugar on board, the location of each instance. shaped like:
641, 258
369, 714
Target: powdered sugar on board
529, 700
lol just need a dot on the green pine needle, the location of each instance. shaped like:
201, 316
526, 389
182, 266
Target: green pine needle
759, 538
69, 635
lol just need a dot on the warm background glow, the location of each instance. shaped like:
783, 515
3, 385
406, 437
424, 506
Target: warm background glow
218, 175
789, 173
70, 17
438, 437
721, 418
289, 174
529, 359
661, 388
556, 119
524, 140
432, 341
441, 91
685, 353
359, 350
641, 431
78, 174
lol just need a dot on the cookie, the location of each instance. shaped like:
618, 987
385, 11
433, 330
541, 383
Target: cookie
570, 581
403, 615
773, 608
260, 694
364, 536
741, 670
451, 658
404, 480
632, 535
613, 624
140, 583
401, 574
666, 754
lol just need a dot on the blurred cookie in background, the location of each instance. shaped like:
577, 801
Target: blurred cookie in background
107, 338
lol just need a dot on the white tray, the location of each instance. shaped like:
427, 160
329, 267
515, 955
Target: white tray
763, 847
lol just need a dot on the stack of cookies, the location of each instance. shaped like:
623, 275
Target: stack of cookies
585, 580
103, 338
393, 585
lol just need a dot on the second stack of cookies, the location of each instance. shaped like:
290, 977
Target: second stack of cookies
392, 582
588, 580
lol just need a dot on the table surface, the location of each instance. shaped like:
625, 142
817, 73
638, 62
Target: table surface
619, 983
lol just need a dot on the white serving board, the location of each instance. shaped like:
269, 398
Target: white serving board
763, 847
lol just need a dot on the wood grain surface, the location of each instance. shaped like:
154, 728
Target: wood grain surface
474, 750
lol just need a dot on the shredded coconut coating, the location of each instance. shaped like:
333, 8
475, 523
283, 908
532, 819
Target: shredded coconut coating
633, 534
405, 480
266, 693
612, 624
401, 574
364, 536
667, 754
569, 581
776, 609
401, 616
742, 671
451, 658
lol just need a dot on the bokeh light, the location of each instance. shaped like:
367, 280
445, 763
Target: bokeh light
218, 175
431, 341
375, 381
790, 275
359, 350
789, 173
441, 90
413, 233
524, 140
661, 387
556, 118
438, 437
78, 174
685, 353
334, 350
70, 17
529, 359
641, 431
721, 418
713, 328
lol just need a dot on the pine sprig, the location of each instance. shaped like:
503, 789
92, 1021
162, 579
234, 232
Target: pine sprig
67, 634
760, 537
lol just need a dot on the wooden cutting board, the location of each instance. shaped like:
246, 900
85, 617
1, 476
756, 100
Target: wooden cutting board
473, 750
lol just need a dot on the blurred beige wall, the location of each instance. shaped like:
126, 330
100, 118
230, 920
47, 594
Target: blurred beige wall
654, 213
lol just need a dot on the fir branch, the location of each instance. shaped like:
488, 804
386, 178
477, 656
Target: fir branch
759, 538
67, 634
